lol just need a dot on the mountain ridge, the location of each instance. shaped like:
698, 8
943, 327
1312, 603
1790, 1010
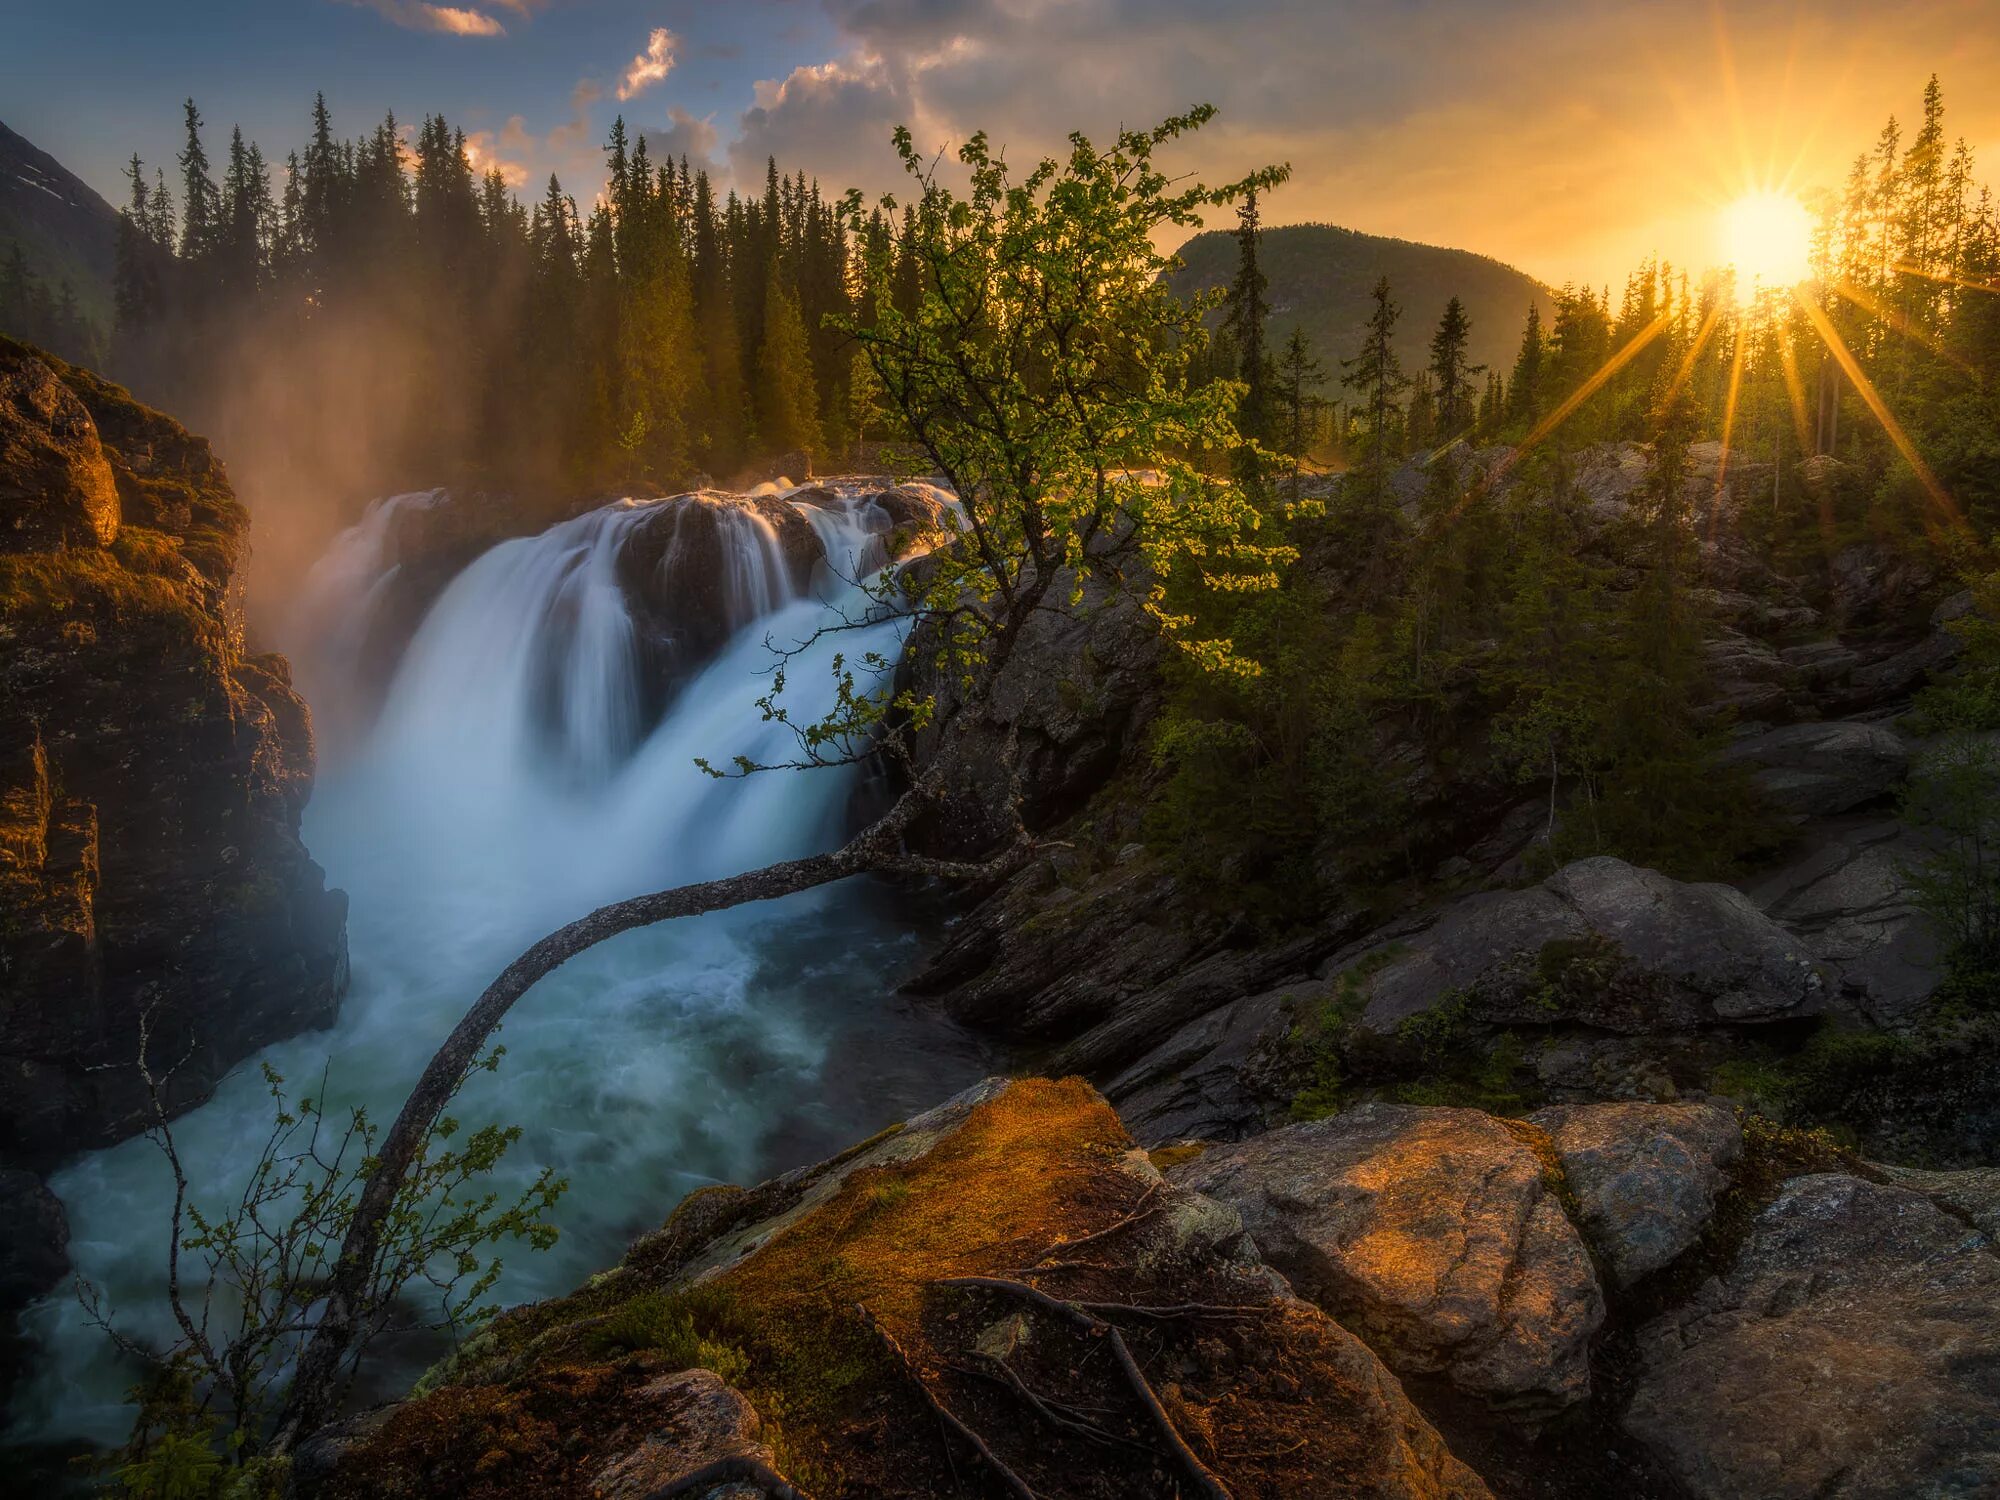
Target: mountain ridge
66, 230
1322, 275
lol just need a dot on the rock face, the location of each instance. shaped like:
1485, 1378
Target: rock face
1604, 943
1851, 1353
1847, 897
1814, 770
33, 1248
56, 489
151, 777
1078, 693
1434, 1233
1644, 1176
839, 1296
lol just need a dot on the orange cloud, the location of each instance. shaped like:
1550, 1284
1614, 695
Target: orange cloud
450, 20
650, 66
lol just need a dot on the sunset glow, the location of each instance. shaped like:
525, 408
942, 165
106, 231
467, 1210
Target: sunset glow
1767, 237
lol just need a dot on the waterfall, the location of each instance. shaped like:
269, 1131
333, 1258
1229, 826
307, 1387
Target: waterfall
521, 771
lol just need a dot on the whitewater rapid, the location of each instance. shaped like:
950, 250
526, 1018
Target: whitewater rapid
511, 783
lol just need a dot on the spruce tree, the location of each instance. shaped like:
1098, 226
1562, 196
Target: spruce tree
787, 403
1451, 372
1524, 386
1247, 310
1376, 375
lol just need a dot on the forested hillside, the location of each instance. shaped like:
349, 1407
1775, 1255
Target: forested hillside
57, 243
1321, 276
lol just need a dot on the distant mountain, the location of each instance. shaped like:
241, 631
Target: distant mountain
65, 230
1321, 277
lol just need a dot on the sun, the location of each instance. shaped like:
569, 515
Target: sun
1767, 237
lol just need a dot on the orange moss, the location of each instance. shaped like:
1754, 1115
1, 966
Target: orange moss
1021, 1173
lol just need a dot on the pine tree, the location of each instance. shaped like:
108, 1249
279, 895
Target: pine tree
1247, 310
1451, 372
787, 403
1377, 376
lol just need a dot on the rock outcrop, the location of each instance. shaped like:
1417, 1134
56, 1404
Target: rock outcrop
1851, 1352
1603, 943
1846, 894
999, 1293
1815, 770
1436, 1234
151, 777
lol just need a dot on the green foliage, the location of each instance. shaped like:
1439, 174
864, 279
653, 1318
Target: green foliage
1040, 365
1955, 793
244, 1274
1319, 1040
1822, 1081
692, 1327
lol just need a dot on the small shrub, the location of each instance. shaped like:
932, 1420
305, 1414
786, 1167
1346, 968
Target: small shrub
692, 1327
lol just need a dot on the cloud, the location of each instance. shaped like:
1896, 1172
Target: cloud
650, 66
694, 137
451, 20
487, 152
1392, 114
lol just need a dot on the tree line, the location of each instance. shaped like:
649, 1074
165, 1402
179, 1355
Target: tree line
668, 333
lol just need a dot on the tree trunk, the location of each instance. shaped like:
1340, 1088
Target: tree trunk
316, 1383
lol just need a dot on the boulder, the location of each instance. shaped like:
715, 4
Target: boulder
1437, 1234
1813, 770
1644, 1176
1852, 1352
692, 1422
56, 487
1600, 942
1972, 1194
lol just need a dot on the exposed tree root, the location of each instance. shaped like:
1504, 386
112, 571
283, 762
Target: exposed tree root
1144, 1209
946, 1415
1057, 1414
1081, 1316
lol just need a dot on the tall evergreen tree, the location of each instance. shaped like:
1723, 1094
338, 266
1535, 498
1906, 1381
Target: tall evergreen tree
787, 402
1376, 376
1248, 308
1451, 372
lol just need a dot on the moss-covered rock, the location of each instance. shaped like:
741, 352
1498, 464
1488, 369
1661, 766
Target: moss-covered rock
151, 775
951, 1285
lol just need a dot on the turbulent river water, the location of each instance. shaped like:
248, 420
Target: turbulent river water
510, 782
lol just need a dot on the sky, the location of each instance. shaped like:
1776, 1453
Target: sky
1570, 140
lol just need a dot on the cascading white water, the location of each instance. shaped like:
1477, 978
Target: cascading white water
478, 815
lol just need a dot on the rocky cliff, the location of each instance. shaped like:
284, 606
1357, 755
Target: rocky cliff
152, 773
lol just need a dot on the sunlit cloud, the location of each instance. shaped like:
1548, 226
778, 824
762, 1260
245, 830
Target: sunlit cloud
486, 152
650, 66
450, 20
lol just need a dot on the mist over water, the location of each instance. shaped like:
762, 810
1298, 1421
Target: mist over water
509, 784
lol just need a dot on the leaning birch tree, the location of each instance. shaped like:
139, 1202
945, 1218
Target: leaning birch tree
1048, 376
